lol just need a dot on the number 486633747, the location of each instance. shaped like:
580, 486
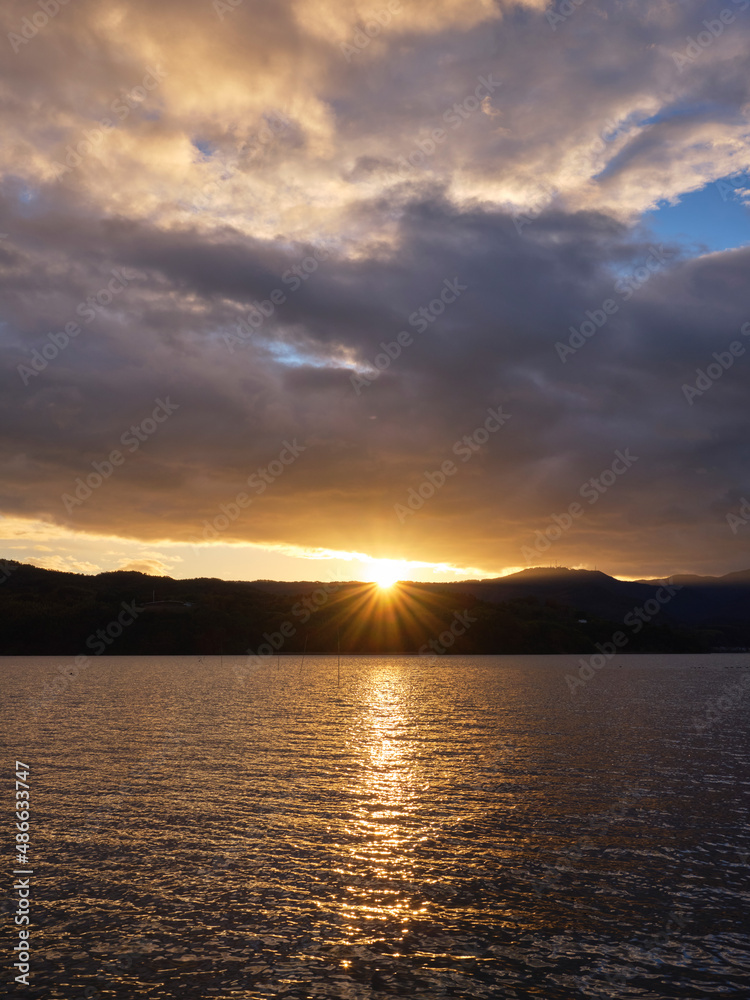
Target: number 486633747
22, 812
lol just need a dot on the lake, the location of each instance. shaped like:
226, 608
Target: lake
434, 827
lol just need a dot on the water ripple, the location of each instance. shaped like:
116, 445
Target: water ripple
463, 830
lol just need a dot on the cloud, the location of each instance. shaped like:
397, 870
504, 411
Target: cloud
152, 567
63, 564
263, 163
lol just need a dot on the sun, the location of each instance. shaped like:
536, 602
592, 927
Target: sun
385, 572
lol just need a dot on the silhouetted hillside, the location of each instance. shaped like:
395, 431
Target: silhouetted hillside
713, 603
45, 612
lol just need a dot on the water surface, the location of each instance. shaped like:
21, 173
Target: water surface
463, 827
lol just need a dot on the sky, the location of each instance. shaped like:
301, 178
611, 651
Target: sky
291, 288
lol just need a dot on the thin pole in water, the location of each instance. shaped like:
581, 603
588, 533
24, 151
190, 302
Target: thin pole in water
338, 649
303, 656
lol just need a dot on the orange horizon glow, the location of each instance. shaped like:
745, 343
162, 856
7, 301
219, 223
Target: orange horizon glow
52, 546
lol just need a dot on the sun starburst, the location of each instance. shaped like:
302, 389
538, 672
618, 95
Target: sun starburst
386, 572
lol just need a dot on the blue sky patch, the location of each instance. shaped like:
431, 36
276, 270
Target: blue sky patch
708, 220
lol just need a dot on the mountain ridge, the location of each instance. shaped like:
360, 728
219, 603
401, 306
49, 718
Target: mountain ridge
544, 609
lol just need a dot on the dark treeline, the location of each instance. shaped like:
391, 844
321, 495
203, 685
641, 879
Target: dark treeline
45, 612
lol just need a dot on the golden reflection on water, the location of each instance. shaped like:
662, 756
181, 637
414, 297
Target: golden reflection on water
384, 827
461, 828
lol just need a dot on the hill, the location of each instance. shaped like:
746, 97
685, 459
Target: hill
721, 603
544, 610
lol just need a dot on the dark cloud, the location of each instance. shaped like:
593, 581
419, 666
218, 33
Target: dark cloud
197, 233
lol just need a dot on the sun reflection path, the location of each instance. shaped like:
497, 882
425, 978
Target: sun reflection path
387, 822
